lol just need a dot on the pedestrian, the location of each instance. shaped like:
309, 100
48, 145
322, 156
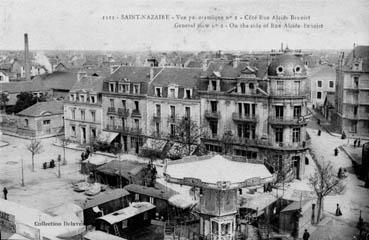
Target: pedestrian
5, 191
338, 210
319, 132
358, 143
335, 151
355, 143
306, 235
339, 175
83, 156
318, 121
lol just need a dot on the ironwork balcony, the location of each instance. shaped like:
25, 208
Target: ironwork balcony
156, 117
287, 120
122, 129
136, 113
172, 119
212, 115
123, 112
244, 118
111, 110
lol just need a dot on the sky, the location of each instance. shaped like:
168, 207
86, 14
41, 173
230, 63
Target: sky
79, 25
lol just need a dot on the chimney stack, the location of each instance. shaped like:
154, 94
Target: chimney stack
26, 58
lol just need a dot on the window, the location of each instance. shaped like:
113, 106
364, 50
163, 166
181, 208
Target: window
111, 102
319, 83
46, 122
188, 112
319, 95
73, 131
213, 127
136, 88
214, 106
82, 98
188, 94
71, 97
157, 127
82, 114
251, 85
253, 109
26, 122
356, 81
111, 87
92, 99
279, 112
331, 84
296, 88
124, 88
124, 104
243, 88
124, 224
136, 123
280, 87
296, 132
279, 135
158, 92
151, 200
93, 116
137, 197
355, 110
93, 133
296, 111
158, 110
353, 127
73, 113
172, 130
214, 85
172, 111
171, 93
247, 109
137, 108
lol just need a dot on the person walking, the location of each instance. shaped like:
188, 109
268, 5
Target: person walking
335, 151
358, 142
5, 191
338, 210
355, 143
306, 235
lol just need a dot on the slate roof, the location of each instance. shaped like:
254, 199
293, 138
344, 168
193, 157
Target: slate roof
38, 109
157, 192
184, 77
125, 168
323, 72
102, 197
226, 69
132, 74
58, 80
89, 84
359, 52
22, 86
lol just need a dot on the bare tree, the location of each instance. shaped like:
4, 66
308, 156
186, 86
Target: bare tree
325, 181
187, 132
64, 142
35, 147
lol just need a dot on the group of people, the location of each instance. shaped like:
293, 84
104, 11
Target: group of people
85, 154
357, 143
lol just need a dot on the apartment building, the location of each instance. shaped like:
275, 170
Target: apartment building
83, 113
322, 83
352, 92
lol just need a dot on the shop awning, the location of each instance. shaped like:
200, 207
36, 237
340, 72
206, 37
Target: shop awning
156, 144
107, 136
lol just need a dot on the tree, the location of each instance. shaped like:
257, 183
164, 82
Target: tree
64, 142
325, 181
187, 132
35, 147
3, 100
24, 100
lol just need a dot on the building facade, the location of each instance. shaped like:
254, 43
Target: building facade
83, 113
258, 112
322, 83
352, 92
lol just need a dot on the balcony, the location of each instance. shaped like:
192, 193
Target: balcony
111, 110
126, 130
244, 118
123, 112
212, 115
136, 113
156, 117
290, 121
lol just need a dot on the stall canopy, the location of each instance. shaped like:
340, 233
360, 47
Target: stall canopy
257, 201
155, 144
92, 162
102, 198
123, 168
123, 214
158, 191
98, 235
182, 201
107, 136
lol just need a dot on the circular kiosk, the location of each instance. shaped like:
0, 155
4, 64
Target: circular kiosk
218, 179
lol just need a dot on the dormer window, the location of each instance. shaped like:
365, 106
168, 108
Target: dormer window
82, 98
280, 70
188, 93
214, 85
71, 97
92, 99
243, 88
172, 92
111, 87
124, 88
136, 88
297, 69
251, 85
158, 92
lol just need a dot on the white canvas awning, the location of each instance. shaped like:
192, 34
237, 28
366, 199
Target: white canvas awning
182, 201
107, 136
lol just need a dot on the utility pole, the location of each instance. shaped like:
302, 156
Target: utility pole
59, 161
22, 173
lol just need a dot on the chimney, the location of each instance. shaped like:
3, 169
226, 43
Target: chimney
151, 73
26, 58
235, 62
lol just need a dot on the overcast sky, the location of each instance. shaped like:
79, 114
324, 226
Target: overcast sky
72, 24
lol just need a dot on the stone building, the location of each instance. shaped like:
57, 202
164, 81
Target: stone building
322, 83
172, 95
352, 92
124, 101
83, 113
256, 112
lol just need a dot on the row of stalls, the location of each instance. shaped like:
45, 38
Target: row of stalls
167, 149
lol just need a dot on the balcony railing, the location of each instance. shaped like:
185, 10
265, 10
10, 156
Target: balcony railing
212, 115
122, 129
111, 110
135, 113
123, 112
287, 120
244, 118
156, 117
